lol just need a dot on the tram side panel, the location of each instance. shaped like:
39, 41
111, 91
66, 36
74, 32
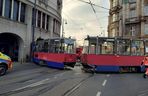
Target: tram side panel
70, 60
111, 63
55, 60
129, 60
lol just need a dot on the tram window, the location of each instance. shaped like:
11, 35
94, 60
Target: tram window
146, 47
45, 47
54, 46
69, 48
107, 48
39, 46
123, 47
137, 47
92, 49
85, 47
57, 47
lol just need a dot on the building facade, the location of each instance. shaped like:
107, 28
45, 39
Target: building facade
24, 21
128, 18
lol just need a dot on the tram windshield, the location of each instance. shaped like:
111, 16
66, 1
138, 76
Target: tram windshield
57, 45
111, 46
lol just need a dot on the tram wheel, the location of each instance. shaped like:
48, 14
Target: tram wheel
42, 63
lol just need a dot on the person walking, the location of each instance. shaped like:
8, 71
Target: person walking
145, 63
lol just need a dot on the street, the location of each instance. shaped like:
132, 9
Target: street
29, 79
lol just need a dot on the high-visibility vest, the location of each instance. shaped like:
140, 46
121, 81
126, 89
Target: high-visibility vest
145, 62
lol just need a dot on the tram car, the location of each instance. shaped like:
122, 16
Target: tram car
79, 52
103, 54
56, 52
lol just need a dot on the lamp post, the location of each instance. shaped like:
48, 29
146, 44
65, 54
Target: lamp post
33, 28
34, 21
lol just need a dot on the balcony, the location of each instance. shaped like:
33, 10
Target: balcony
115, 9
144, 18
132, 20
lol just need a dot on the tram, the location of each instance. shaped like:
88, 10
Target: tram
56, 52
79, 52
103, 54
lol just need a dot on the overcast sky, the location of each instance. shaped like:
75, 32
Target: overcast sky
81, 20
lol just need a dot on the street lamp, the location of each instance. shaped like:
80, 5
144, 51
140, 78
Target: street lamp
34, 21
33, 29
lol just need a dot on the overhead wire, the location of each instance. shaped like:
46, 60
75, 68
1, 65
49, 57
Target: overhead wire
94, 4
95, 12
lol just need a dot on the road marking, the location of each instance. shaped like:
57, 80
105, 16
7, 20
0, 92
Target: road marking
104, 83
142, 94
98, 94
108, 75
78, 73
144, 91
33, 84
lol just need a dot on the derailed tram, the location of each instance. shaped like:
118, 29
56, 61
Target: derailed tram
56, 52
103, 54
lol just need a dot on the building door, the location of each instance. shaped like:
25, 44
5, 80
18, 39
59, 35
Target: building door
9, 45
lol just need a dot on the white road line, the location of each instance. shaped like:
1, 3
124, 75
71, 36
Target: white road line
142, 94
104, 83
78, 73
144, 91
33, 84
98, 94
108, 75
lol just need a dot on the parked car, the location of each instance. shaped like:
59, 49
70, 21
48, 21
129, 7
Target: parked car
5, 63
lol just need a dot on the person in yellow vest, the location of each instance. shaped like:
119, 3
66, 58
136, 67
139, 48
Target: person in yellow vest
145, 63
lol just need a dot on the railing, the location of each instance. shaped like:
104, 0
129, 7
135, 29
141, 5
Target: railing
132, 20
115, 9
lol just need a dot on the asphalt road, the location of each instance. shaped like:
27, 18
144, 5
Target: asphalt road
32, 80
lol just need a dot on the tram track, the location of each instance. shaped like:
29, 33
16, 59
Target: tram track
74, 88
49, 80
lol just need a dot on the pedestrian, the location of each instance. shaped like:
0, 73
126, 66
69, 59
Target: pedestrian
145, 63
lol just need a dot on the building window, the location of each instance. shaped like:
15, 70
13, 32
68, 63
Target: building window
133, 6
45, 2
54, 26
47, 23
132, 13
146, 2
132, 1
59, 4
124, 1
146, 10
34, 17
43, 21
1, 7
16, 10
133, 30
23, 9
39, 18
146, 29
8, 8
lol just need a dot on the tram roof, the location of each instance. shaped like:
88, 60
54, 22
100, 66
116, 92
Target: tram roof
61, 38
105, 38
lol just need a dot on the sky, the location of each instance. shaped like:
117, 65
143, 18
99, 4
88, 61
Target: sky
80, 20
